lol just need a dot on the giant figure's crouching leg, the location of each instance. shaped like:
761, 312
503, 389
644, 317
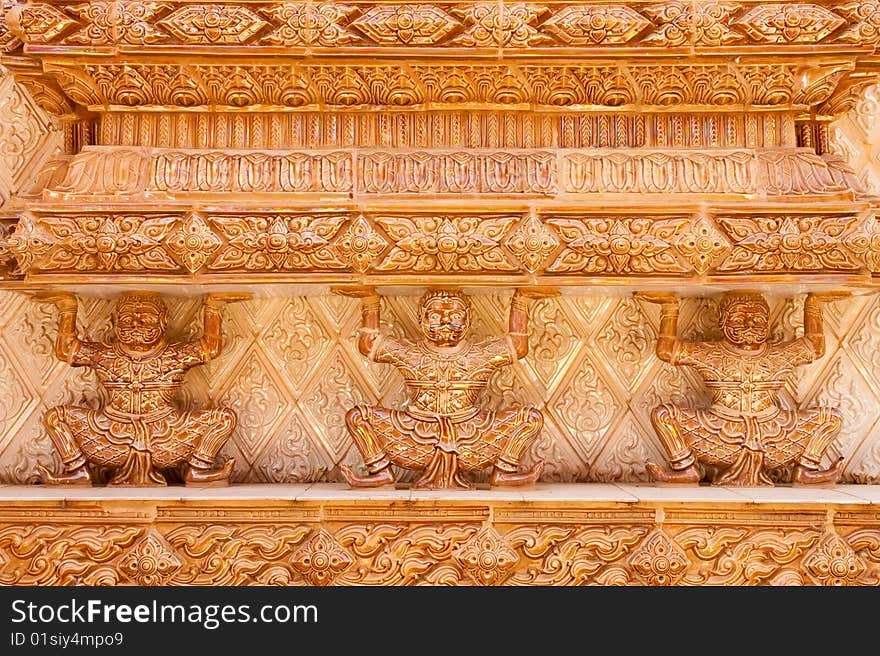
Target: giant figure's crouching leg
681, 457
379, 472
76, 472
506, 472
200, 464
807, 470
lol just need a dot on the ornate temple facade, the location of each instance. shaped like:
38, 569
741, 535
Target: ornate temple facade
310, 169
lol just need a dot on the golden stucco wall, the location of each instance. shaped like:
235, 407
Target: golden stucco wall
291, 371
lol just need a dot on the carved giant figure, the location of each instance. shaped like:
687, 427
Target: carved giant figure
744, 433
441, 429
140, 431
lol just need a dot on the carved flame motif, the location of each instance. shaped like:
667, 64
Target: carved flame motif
833, 562
408, 24
487, 557
152, 561
321, 559
659, 560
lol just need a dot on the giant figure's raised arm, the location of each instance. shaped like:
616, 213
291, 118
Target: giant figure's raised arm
67, 344
667, 339
368, 333
212, 331
814, 331
518, 321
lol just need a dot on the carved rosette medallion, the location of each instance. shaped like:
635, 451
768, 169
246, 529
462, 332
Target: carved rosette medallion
659, 560
321, 559
833, 562
152, 561
487, 557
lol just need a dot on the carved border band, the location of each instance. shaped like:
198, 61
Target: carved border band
578, 543
510, 26
106, 172
406, 243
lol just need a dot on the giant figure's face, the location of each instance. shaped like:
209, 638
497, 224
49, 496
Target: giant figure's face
445, 320
744, 320
140, 321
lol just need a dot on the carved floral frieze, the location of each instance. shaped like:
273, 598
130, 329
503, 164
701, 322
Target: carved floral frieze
228, 544
385, 243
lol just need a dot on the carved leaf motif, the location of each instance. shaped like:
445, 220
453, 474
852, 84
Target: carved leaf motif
322, 558
611, 245
257, 398
789, 23
659, 560
102, 243
833, 562
595, 24
789, 243
278, 242
59, 555
393, 555
359, 245
107, 23
408, 24
446, 243
501, 25
864, 20
567, 556
309, 23
214, 23
703, 23
219, 554
40, 23
487, 557
532, 242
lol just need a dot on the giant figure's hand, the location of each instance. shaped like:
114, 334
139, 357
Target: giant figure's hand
827, 297
533, 293
660, 298
366, 294
61, 300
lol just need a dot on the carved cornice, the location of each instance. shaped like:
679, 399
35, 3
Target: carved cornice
622, 86
101, 53
321, 542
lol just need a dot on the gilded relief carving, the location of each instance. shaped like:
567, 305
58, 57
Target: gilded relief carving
140, 431
441, 430
744, 435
